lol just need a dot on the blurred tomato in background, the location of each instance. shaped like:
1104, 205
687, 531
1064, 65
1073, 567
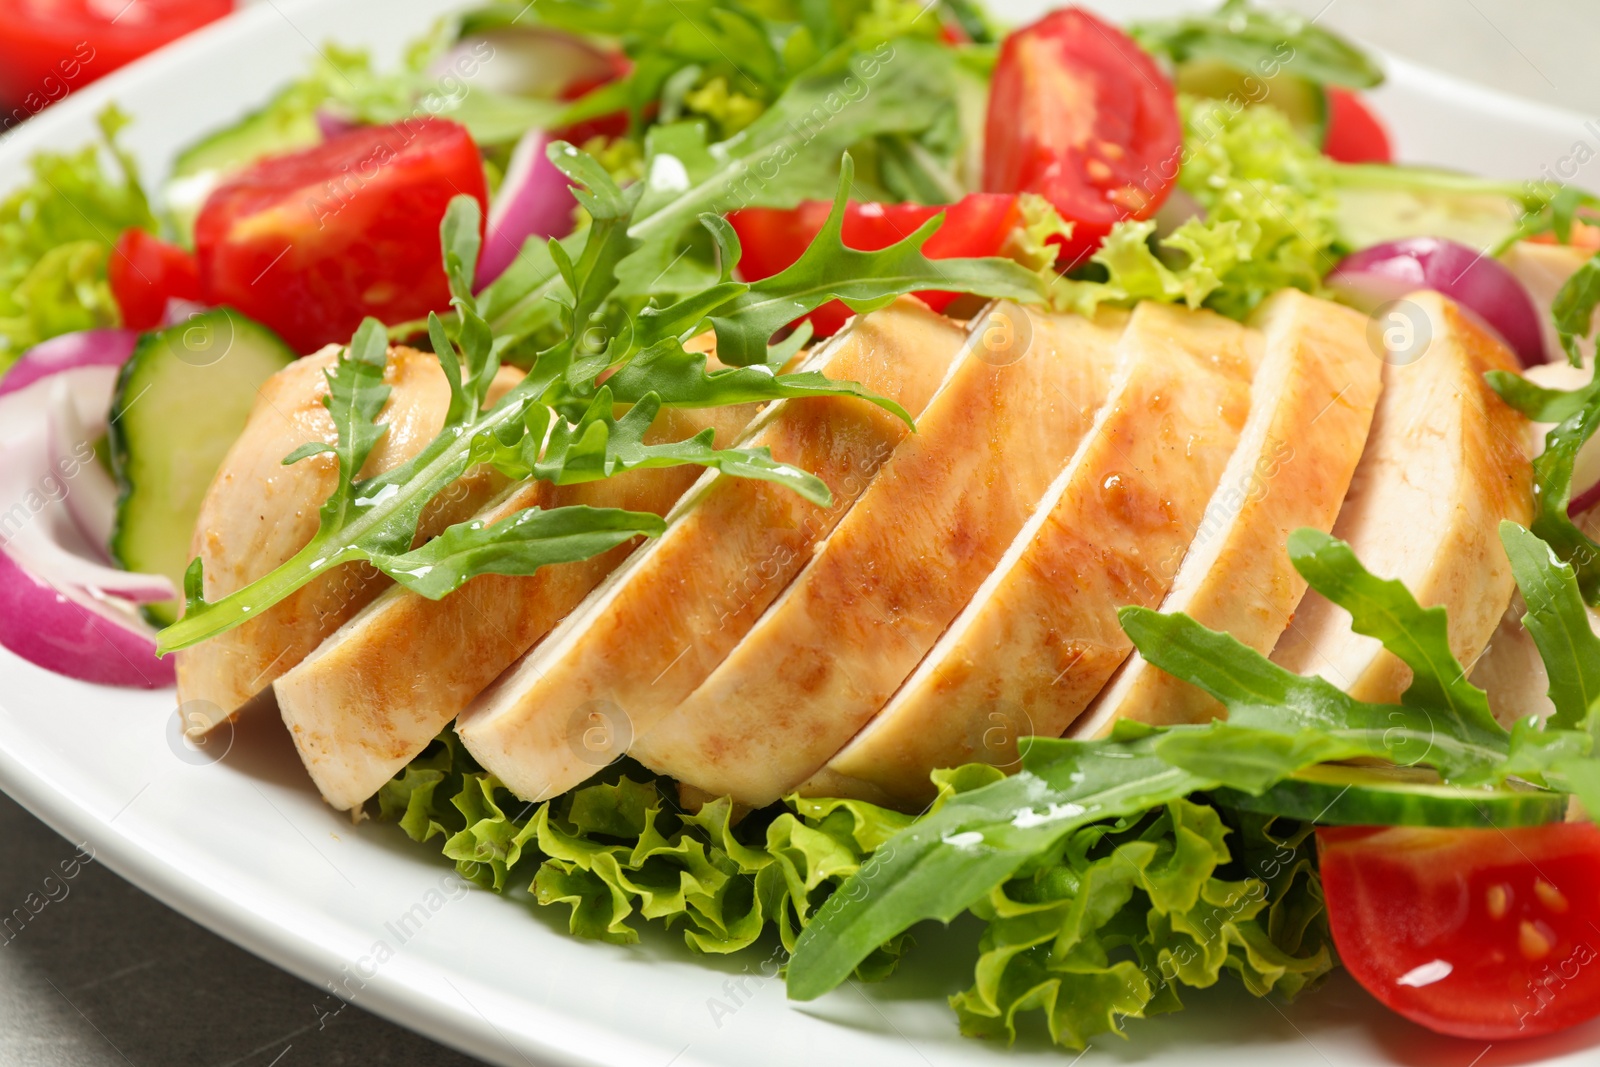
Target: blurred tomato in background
50, 47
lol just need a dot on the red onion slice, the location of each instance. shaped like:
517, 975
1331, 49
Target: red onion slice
529, 61
61, 607
92, 497
38, 529
533, 201
88, 348
1479, 283
76, 634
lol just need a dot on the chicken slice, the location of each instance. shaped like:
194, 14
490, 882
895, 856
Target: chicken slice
373, 695
1310, 409
258, 513
1040, 637
900, 565
661, 622
1445, 463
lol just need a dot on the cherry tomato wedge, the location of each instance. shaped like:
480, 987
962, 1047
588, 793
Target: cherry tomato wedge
977, 225
145, 273
49, 47
310, 243
1487, 934
1081, 115
1355, 134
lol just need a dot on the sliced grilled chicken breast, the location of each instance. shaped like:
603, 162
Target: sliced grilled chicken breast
373, 695
900, 565
1040, 637
258, 513
1310, 409
661, 622
1446, 462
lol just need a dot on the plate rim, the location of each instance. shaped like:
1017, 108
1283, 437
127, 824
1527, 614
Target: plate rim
389, 994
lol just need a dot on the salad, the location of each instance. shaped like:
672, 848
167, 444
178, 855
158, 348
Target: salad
800, 471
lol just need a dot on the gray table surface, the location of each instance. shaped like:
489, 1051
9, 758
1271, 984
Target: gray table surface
108, 977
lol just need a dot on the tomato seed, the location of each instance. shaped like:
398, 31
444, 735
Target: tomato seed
1550, 897
1498, 899
1533, 942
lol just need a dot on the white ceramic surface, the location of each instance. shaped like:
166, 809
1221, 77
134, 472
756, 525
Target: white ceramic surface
245, 847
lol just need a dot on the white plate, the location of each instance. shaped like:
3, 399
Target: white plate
245, 846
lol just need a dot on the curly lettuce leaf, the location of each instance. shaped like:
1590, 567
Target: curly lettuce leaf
1131, 913
56, 235
1106, 923
1268, 223
976, 840
620, 850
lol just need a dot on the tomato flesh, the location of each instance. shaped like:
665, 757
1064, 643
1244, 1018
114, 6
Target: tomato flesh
311, 243
1355, 134
49, 47
979, 224
146, 273
1081, 115
1485, 934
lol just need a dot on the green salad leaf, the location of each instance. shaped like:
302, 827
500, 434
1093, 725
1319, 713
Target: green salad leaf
1109, 924
1574, 308
621, 849
1558, 622
1252, 39
559, 423
720, 61
1130, 912
56, 235
1576, 414
791, 153
1268, 225
1278, 723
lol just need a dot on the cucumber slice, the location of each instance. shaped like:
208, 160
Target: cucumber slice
1366, 217
1304, 102
1337, 795
181, 401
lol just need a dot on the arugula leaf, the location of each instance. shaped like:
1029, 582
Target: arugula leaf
559, 424
791, 153
954, 857
56, 235
1385, 609
865, 281
1577, 417
1319, 722
680, 379
520, 543
1558, 622
1256, 41
601, 445
1574, 308
743, 55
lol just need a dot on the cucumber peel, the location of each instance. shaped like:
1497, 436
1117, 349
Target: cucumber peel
180, 402
1340, 795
